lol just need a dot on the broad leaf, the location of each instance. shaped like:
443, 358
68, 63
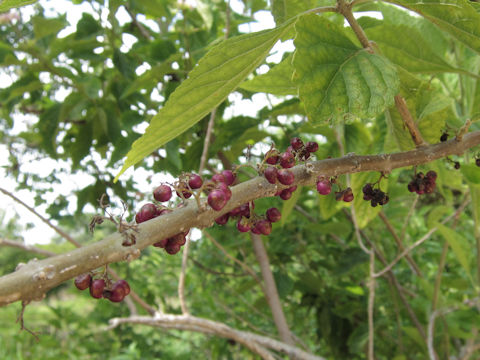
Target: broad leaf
457, 17
283, 10
217, 74
289, 205
337, 79
6, 5
458, 244
277, 81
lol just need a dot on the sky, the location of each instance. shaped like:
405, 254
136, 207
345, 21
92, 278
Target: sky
40, 232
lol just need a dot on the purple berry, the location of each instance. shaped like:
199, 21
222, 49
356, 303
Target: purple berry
96, 288
477, 162
195, 181
272, 160
348, 195
125, 285
287, 160
217, 199
271, 174
285, 177
147, 212
431, 175
296, 143
324, 187
229, 177
162, 193
243, 226
178, 239
311, 146
219, 178
285, 194
222, 220
117, 293
263, 227
273, 215
223, 187
162, 243
83, 281
172, 249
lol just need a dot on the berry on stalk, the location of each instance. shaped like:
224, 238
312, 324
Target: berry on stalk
296, 143
270, 174
83, 281
311, 146
287, 160
263, 227
162, 193
96, 288
217, 199
195, 181
147, 212
273, 215
285, 177
229, 177
324, 186
243, 226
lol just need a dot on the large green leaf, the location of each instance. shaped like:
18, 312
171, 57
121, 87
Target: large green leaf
277, 81
457, 17
283, 10
217, 74
6, 5
337, 79
414, 56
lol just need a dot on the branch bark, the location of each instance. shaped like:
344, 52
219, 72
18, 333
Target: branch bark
33, 280
252, 341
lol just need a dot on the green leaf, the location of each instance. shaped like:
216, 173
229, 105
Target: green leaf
457, 17
328, 205
337, 79
277, 81
6, 5
217, 74
471, 173
283, 10
414, 56
458, 244
43, 27
289, 204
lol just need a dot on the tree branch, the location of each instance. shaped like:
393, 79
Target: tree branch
270, 290
34, 279
254, 342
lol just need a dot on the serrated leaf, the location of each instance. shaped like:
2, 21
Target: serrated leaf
6, 5
337, 79
217, 74
363, 209
283, 10
458, 244
414, 56
457, 17
277, 81
289, 204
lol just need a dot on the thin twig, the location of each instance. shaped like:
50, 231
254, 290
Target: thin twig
46, 221
345, 8
139, 26
399, 242
270, 290
408, 121
244, 266
422, 240
214, 272
409, 215
371, 304
29, 248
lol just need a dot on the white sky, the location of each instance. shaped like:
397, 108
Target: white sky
41, 233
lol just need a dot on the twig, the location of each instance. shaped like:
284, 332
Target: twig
214, 272
244, 266
399, 242
463, 130
139, 26
254, 342
422, 240
371, 304
270, 290
409, 215
345, 8
408, 121
29, 248
22, 324
46, 221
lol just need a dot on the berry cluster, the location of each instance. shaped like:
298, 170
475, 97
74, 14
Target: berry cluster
99, 288
423, 184
324, 187
375, 196
281, 162
247, 220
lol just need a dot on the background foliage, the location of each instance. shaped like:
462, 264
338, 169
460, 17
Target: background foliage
82, 94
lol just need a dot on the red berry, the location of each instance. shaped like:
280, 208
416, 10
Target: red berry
184, 191
348, 195
431, 175
296, 143
243, 226
285, 177
162, 193
219, 178
271, 174
263, 227
272, 160
222, 220
147, 212
229, 177
162, 243
96, 288
217, 199
178, 239
117, 293
324, 187
273, 215
285, 194
311, 146
287, 160
172, 249
83, 281
195, 181
125, 285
